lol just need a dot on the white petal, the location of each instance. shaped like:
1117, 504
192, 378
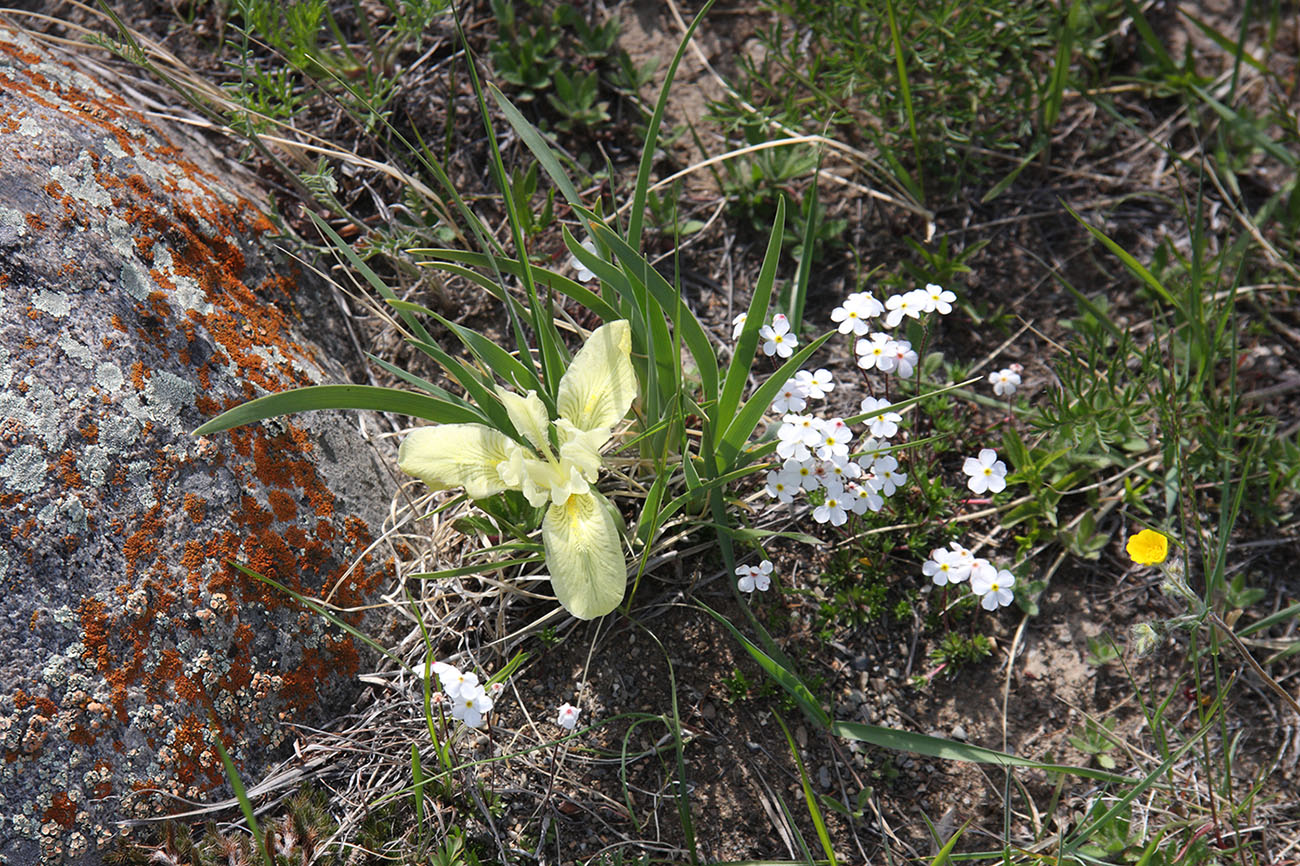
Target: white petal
584, 555
458, 455
599, 386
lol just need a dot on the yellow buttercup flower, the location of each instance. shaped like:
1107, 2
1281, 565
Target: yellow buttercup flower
584, 549
1148, 547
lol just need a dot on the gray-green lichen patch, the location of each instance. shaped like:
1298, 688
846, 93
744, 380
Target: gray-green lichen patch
24, 471
54, 303
166, 395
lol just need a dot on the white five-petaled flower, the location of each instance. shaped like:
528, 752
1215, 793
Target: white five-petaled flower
864, 496
584, 548
885, 471
834, 507
885, 424
841, 469
993, 586
803, 473
782, 485
835, 439
567, 717
940, 299
456, 681
939, 567
858, 308
470, 705
904, 359
791, 398
878, 352
817, 385
1004, 382
738, 325
584, 275
987, 473
963, 560
910, 304
777, 337
754, 577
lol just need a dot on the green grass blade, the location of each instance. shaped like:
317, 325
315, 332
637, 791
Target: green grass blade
488, 353
1134, 266
1053, 98
809, 797
563, 285
317, 397
803, 272
639, 192
1231, 47
1149, 37
320, 609
1085, 834
423, 384
944, 857
689, 327
245, 805
787, 679
1006, 182
746, 347
541, 319
478, 385
905, 91
417, 783
538, 145
366, 272
1248, 130
1281, 616
951, 750
742, 426
463, 570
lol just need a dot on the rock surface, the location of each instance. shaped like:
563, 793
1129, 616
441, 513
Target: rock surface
140, 296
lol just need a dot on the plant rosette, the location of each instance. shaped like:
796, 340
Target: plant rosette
584, 549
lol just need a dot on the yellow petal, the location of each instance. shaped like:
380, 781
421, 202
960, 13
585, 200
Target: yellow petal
584, 555
458, 455
598, 388
528, 414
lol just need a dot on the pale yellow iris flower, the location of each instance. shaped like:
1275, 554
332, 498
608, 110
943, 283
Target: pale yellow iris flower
584, 549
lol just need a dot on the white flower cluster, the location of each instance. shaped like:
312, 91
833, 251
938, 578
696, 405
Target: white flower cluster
991, 584
466, 699
817, 455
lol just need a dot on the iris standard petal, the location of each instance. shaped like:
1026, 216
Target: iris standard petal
528, 414
598, 388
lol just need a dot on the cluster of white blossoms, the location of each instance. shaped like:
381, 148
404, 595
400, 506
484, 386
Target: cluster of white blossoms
466, 699
819, 454
990, 583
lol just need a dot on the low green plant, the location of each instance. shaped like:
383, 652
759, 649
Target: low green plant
917, 83
1096, 741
